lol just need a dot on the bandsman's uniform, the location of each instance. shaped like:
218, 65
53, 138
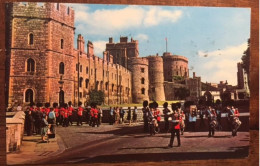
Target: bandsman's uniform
80, 114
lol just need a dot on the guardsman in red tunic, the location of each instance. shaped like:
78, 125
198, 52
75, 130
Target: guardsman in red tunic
62, 109
175, 128
65, 116
70, 110
57, 113
47, 108
94, 114
80, 114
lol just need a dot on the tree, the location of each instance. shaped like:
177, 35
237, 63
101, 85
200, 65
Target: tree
246, 59
96, 96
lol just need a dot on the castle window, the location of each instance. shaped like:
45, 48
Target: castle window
112, 87
142, 80
58, 6
80, 69
142, 70
86, 83
101, 85
80, 94
68, 10
80, 82
86, 70
30, 65
61, 43
29, 95
112, 75
77, 67
30, 39
143, 91
96, 87
106, 85
91, 71
61, 68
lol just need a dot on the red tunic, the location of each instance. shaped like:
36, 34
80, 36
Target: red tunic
80, 111
56, 110
156, 113
47, 111
70, 109
65, 113
62, 111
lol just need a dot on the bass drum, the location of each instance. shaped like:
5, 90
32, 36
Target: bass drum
236, 123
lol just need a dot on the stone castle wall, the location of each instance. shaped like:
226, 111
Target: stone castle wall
174, 65
140, 79
49, 26
156, 78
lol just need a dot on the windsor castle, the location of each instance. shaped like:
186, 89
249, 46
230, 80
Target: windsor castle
44, 66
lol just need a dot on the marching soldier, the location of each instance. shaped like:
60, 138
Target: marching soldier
57, 113
65, 116
94, 114
70, 112
151, 120
80, 114
175, 129
212, 122
166, 112
62, 113
233, 115
47, 108
145, 110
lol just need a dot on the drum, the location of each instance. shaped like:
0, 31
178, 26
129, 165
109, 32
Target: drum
213, 123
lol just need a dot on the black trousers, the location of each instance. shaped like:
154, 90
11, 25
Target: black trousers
152, 129
79, 120
145, 125
177, 133
70, 119
95, 122
166, 125
65, 122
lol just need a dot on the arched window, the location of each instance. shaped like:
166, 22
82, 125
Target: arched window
29, 95
61, 68
96, 87
143, 91
30, 39
80, 82
68, 10
58, 6
101, 85
86, 83
113, 87
30, 65
142, 80
86, 70
106, 85
61, 43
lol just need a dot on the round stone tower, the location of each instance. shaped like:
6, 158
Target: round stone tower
174, 65
140, 82
156, 79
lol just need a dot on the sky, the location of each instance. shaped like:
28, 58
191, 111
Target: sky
213, 39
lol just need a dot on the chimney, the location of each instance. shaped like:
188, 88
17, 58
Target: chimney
80, 43
194, 75
111, 40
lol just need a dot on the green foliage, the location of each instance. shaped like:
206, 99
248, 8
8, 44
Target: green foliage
96, 96
177, 78
246, 58
181, 93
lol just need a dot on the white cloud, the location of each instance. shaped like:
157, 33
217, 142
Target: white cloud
141, 37
99, 47
110, 21
221, 64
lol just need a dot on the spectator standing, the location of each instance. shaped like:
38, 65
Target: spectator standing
122, 114
44, 127
129, 113
111, 116
135, 114
145, 110
166, 112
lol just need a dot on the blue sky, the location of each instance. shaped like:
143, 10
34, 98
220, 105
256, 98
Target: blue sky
213, 39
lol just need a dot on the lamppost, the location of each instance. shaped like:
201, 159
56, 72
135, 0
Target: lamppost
61, 93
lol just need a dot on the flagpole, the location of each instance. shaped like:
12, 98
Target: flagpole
166, 44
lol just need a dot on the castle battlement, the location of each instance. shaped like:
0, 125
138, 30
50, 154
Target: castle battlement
56, 11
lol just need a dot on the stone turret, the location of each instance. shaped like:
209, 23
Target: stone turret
156, 79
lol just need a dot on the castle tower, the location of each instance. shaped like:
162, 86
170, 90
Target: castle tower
140, 80
174, 65
40, 52
156, 79
123, 50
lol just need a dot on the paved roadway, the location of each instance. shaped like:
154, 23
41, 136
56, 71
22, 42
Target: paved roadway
124, 143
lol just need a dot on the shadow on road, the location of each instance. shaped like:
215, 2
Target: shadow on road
239, 152
156, 147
